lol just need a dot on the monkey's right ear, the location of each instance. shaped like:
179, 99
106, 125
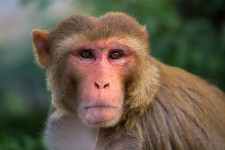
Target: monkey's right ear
41, 51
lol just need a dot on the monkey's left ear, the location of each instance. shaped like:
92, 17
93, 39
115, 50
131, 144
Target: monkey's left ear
41, 51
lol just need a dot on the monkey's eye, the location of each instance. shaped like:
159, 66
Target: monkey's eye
115, 55
86, 54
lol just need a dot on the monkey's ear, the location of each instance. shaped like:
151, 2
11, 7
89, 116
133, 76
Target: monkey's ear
41, 51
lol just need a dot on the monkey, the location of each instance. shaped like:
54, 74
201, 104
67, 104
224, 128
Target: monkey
109, 93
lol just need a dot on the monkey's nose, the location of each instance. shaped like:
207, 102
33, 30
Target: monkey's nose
102, 85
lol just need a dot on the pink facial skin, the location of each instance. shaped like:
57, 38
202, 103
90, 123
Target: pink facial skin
101, 65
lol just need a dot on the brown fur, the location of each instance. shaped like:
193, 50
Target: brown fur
164, 107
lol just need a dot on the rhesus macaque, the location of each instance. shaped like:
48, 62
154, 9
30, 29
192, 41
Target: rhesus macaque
108, 93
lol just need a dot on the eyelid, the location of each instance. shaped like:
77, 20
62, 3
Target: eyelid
117, 50
85, 49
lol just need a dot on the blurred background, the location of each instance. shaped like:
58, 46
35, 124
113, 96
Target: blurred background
186, 33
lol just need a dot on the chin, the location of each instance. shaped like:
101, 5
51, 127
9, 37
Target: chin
100, 117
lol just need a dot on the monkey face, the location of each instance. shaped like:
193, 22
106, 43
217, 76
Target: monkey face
99, 69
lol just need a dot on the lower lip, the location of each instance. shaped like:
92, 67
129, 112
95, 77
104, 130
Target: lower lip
99, 114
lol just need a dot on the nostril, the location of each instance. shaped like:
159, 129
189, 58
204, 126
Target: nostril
97, 85
106, 85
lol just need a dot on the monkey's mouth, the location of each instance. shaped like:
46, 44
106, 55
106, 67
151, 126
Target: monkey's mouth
97, 112
98, 105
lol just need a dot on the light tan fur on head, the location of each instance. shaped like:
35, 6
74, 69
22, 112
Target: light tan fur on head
81, 27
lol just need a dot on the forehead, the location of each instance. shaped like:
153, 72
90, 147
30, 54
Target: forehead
112, 42
104, 43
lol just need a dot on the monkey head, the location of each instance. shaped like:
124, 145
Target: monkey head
93, 65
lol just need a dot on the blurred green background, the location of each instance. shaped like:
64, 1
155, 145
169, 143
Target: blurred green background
186, 33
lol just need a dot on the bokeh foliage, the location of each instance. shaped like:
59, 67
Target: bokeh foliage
186, 33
